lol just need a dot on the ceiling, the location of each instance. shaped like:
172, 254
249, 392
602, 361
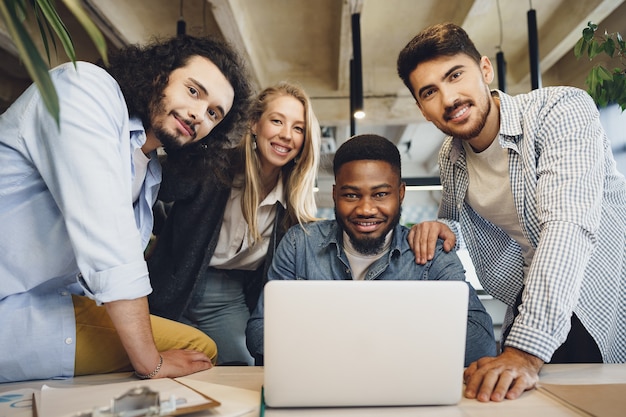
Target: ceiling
309, 42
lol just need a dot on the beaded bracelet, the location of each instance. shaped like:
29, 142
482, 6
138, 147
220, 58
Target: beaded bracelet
153, 373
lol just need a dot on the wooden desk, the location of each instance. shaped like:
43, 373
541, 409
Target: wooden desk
531, 403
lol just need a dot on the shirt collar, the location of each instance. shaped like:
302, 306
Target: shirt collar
137, 132
510, 122
277, 194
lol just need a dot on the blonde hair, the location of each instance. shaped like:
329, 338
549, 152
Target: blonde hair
298, 176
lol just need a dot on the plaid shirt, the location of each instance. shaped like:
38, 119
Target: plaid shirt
571, 205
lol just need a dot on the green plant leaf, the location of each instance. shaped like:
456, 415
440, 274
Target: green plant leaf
595, 49
14, 14
619, 80
592, 81
609, 47
588, 32
601, 98
92, 30
44, 29
57, 25
603, 74
604, 86
20, 8
31, 57
580, 46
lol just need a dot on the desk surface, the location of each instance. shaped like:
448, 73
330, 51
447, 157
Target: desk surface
534, 401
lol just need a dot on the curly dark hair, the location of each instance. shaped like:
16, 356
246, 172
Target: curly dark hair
143, 73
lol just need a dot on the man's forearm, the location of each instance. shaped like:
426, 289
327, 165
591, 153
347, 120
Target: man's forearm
132, 322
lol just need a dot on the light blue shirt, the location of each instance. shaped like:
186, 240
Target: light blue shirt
67, 220
571, 205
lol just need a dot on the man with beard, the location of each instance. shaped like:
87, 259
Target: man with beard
366, 241
531, 185
75, 208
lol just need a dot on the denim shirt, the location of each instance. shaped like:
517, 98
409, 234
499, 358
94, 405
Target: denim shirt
315, 251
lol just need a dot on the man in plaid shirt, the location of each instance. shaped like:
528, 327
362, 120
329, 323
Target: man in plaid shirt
530, 184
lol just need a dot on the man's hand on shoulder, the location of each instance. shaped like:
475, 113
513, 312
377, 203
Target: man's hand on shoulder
423, 239
505, 376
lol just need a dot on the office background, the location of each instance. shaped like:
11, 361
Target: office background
343, 52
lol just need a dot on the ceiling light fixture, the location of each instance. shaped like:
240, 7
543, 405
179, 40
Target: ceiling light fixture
352, 99
533, 49
500, 61
356, 66
181, 26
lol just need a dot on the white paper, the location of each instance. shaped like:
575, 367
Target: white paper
66, 402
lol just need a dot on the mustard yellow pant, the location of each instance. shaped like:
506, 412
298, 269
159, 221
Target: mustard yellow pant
99, 349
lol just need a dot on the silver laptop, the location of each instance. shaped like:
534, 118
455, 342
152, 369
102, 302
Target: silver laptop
364, 343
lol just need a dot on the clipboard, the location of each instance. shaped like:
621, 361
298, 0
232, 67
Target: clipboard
94, 400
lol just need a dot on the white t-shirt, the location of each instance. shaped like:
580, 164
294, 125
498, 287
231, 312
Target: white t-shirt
359, 263
489, 193
140, 162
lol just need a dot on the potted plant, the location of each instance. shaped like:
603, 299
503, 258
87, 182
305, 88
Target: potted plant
606, 86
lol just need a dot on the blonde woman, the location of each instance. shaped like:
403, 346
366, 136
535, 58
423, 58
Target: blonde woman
212, 255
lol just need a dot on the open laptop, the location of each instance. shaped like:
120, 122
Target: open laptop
364, 343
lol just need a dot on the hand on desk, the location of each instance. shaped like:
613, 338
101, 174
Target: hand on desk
423, 239
505, 376
183, 362
132, 322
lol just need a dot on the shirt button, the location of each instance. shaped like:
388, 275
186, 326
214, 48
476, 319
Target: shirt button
68, 341
65, 293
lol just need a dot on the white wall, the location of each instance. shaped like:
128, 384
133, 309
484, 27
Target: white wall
614, 122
